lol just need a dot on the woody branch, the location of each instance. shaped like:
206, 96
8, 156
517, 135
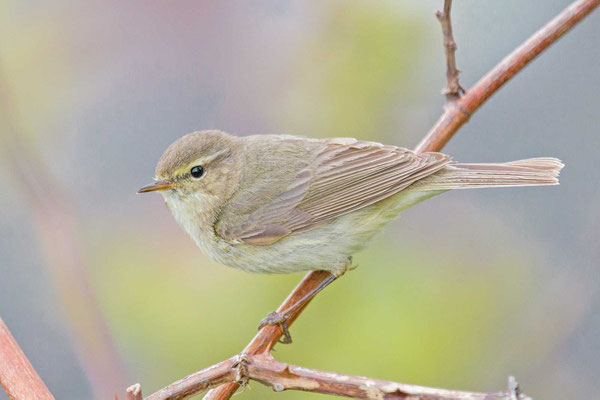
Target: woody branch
456, 114
282, 376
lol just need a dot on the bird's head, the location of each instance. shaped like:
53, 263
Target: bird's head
201, 168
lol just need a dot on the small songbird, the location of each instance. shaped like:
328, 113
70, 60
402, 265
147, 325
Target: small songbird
284, 204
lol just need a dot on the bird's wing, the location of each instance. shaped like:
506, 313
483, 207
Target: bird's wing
346, 175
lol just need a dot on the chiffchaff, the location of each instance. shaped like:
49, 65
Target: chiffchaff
282, 204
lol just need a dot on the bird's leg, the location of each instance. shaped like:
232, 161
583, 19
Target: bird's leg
280, 318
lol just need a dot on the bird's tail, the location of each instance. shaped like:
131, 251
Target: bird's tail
531, 172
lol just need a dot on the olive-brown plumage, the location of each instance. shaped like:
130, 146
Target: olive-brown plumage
281, 204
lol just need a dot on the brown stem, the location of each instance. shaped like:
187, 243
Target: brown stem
224, 372
453, 89
455, 115
17, 375
459, 111
281, 376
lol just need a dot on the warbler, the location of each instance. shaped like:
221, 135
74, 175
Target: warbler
284, 204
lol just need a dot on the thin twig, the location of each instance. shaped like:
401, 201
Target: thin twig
453, 89
452, 119
17, 375
459, 111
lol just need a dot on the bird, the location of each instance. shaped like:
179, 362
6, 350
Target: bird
288, 204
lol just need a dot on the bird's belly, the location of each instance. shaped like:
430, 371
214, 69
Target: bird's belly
298, 253
324, 248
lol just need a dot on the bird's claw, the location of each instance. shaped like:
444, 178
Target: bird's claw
275, 318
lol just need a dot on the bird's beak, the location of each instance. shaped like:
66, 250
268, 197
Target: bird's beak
158, 185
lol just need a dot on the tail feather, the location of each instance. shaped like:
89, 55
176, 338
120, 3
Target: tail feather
531, 172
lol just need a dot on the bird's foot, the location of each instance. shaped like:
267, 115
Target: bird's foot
276, 318
281, 318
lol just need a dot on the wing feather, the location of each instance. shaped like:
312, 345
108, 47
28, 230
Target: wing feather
345, 175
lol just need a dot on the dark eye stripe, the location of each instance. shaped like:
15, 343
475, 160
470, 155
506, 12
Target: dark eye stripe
197, 171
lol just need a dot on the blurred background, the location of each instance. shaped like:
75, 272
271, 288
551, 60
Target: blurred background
102, 289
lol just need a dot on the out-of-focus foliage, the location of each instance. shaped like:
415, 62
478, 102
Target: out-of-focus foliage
462, 291
349, 71
35, 67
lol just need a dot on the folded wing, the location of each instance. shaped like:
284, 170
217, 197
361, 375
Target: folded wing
344, 176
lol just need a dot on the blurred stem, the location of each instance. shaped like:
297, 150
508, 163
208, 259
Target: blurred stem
456, 114
17, 376
57, 230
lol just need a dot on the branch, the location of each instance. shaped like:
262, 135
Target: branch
453, 89
459, 111
17, 375
455, 115
281, 376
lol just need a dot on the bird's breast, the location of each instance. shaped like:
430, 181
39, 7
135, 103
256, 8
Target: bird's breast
195, 214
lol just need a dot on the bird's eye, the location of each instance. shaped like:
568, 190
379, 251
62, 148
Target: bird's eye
197, 171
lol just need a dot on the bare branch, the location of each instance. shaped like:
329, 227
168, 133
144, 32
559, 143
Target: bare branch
453, 89
223, 372
17, 375
281, 376
459, 111
269, 335
456, 114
